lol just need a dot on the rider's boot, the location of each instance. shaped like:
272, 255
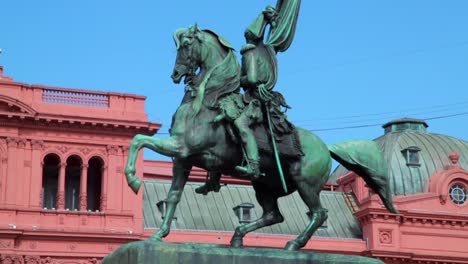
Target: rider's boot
211, 185
252, 169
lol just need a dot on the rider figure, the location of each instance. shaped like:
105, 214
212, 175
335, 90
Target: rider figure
258, 77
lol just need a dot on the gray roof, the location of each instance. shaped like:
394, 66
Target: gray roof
434, 156
213, 212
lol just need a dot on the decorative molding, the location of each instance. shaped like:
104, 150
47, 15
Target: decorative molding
63, 149
32, 260
6, 243
61, 199
4, 160
85, 151
83, 201
386, 237
22, 142
112, 149
37, 144
9, 259
12, 142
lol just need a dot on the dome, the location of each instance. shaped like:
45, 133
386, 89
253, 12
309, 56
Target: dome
413, 155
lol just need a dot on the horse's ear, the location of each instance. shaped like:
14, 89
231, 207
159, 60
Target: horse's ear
195, 27
177, 35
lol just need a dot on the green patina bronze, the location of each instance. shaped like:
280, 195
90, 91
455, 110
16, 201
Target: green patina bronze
246, 135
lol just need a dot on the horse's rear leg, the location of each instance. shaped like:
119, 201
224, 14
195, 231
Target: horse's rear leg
167, 146
180, 172
310, 195
271, 215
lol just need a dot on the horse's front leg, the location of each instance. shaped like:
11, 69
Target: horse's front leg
181, 172
165, 146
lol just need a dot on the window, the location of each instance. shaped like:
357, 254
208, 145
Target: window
458, 193
50, 175
72, 183
243, 212
94, 184
411, 155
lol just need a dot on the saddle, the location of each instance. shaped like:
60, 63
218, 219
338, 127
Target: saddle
285, 133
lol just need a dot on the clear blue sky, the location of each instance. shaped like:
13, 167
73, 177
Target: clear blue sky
356, 58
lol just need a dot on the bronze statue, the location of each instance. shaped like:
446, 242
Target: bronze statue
204, 132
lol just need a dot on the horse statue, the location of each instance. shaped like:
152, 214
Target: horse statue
197, 138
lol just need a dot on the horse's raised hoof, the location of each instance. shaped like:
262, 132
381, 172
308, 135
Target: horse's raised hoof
134, 183
237, 242
208, 187
292, 246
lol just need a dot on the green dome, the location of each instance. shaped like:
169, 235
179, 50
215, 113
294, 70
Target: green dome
414, 155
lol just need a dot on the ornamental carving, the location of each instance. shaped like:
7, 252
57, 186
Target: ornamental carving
37, 144
6, 259
61, 199
5, 244
83, 201
63, 149
22, 142
12, 142
386, 237
112, 149
85, 151
4, 160
32, 260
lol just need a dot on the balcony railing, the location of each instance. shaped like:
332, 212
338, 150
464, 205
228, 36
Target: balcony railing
75, 98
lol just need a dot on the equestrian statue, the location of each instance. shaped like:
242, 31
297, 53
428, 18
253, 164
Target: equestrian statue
246, 134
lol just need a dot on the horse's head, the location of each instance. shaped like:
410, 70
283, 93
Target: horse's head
188, 59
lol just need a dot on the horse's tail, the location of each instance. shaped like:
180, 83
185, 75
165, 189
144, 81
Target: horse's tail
365, 158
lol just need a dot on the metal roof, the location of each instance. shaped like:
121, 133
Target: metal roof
433, 156
214, 212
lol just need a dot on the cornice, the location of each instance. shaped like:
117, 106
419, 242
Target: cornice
370, 215
130, 128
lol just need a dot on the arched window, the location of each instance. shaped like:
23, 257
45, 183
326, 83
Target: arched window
94, 183
72, 183
50, 175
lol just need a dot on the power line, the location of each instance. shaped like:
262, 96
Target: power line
367, 125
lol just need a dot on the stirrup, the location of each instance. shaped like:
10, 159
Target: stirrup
252, 169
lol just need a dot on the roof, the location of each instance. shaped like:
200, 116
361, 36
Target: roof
434, 151
214, 212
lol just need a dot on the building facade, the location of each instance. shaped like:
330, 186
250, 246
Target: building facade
64, 198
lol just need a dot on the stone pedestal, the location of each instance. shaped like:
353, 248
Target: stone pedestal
145, 252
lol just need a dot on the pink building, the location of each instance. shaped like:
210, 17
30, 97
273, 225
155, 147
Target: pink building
64, 199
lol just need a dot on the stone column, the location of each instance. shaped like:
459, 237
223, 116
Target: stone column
35, 199
103, 204
61, 186
12, 171
84, 187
